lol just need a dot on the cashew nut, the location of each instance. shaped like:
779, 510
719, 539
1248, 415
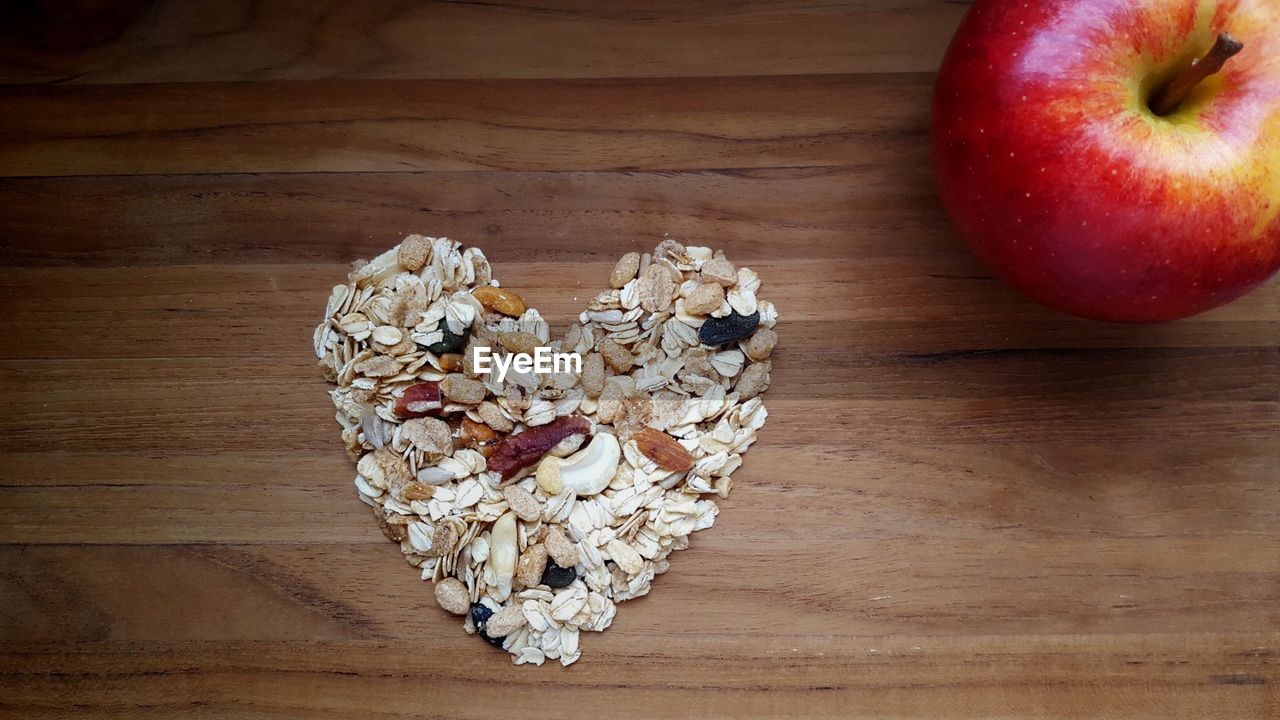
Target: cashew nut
589, 471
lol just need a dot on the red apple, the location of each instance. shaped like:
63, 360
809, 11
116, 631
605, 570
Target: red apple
1064, 180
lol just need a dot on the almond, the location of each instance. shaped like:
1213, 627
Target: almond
663, 449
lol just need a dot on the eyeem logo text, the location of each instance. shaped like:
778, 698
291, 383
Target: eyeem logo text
542, 362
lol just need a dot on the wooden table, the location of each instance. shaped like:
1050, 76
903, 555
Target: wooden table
963, 506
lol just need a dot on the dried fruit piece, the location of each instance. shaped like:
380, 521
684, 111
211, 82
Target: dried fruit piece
557, 577
378, 366
428, 434
417, 491
533, 562
462, 389
625, 270
560, 548
518, 451
609, 406
656, 288
475, 435
480, 614
451, 362
492, 416
754, 380
384, 468
504, 622
500, 300
452, 596
450, 343
705, 299
593, 374
720, 270
618, 357
663, 449
718, 331
444, 539
522, 503
393, 525
761, 344
414, 252
419, 400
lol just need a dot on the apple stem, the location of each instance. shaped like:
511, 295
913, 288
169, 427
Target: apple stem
1166, 99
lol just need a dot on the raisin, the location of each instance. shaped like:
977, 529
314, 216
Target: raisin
480, 615
719, 331
557, 577
450, 343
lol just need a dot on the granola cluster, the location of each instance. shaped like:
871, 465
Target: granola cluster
537, 503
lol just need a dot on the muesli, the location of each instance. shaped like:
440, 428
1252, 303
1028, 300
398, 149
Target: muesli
537, 502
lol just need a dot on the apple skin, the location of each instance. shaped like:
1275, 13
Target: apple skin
1064, 183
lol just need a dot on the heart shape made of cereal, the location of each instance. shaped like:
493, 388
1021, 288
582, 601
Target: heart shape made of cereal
537, 496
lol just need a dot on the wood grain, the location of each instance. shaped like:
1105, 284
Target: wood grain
399, 125
1139, 675
963, 505
235, 40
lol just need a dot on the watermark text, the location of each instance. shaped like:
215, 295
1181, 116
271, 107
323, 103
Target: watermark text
542, 361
